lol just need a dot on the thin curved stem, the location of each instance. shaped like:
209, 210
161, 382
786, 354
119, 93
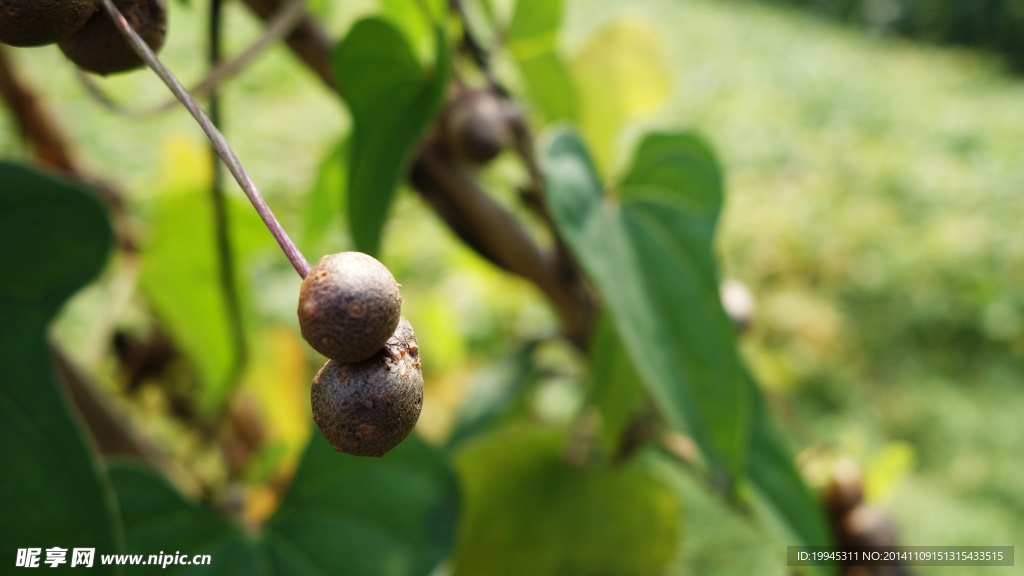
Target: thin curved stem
287, 18
222, 223
216, 139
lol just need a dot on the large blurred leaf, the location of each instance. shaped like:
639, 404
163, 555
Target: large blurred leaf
679, 169
181, 280
651, 260
533, 39
616, 388
417, 20
325, 202
392, 100
771, 471
158, 519
497, 395
529, 513
621, 74
342, 515
717, 540
56, 238
390, 515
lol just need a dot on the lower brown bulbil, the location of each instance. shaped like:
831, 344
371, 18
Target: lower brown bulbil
367, 408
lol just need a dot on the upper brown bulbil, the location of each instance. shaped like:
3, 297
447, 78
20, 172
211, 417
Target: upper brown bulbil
41, 22
367, 408
476, 124
99, 47
349, 305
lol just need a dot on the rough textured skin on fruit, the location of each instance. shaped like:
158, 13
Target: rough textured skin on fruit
349, 305
98, 47
367, 408
41, 22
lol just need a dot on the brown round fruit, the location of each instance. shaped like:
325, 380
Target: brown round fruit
99, 47
349, 305
477, 125
41, 22
366, 408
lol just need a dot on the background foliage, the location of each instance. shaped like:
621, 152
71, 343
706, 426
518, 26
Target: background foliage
993, 24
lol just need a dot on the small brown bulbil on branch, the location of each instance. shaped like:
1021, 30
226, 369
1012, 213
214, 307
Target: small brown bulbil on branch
99, 47
367, 408
41, 22
854, 521
349, 305
476, 124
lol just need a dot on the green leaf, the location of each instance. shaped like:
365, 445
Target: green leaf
678, 169
180, 277
325, 201
389, 515
771, 471
536, 21
665, 304
651, 258
392, 100
533, 39
621, 75
719, 539
494, 398
52, 491
157, 519
417, 20
529, 513
616, 388
342, 515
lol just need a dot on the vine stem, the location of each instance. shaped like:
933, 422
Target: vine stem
284, 22
222, 224
291, 251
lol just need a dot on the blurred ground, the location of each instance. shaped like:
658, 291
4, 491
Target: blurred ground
873, 208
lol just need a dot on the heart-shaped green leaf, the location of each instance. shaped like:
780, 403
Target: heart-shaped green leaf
771, 471
325, 203
342, 515
616, 389
392, 100
56, 237
651, 258
159, 520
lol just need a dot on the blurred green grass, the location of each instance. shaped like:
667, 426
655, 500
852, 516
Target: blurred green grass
872, 206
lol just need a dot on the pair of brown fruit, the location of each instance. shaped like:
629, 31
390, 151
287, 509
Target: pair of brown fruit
368, 396
82, 31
